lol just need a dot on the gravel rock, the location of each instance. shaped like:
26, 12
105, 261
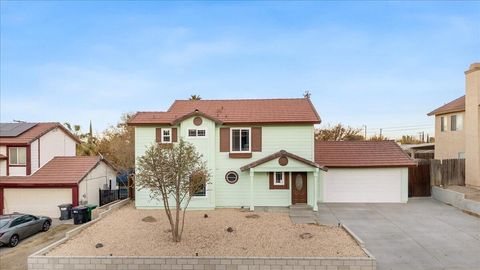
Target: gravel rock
271, 235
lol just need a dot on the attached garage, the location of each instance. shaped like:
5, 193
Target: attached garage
363, 172
26, 200
74, 180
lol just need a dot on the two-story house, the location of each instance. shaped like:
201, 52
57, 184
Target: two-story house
457, 127
262, 152
39, 170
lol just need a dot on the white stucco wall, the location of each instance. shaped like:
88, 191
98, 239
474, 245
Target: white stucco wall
34, 156
3, 162
95, 180
56, 143
17, 171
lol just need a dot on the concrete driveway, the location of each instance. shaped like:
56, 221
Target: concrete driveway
422, 234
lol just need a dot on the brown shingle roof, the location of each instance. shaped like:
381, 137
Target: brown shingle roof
36, 132
59, 170
456, 105
236, 111
361, 154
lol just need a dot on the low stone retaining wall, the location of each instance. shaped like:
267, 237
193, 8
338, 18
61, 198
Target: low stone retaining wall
455, 199
39, 261
201, 263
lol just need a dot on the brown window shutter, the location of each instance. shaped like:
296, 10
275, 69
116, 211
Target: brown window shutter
270, 180
174, 134
224, 139
158, 135
256, 139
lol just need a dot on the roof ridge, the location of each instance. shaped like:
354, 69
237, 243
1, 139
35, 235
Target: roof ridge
239, 99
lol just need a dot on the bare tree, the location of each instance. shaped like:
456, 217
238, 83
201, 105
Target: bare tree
338, 132
172, 174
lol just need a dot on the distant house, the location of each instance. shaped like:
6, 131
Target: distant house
40, 170
457, 127
262, 152
25, 147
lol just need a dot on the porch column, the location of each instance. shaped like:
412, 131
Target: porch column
315, 190
251, 189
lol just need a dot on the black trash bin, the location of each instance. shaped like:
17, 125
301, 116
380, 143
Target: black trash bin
65, 211
80, 214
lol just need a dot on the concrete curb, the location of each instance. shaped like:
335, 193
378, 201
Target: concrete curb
358, 240
80, 228
456, 199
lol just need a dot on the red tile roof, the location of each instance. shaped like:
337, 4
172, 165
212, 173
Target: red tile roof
237, 111
281, 153
36, 132
59, 170
361, 154
456, 105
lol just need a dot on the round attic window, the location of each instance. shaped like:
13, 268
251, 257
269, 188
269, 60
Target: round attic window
231, 177
283, 161
197, 121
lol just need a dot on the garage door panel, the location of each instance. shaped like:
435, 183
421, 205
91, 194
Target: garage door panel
363, 185
37, 201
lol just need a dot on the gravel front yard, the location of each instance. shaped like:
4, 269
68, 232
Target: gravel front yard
123, 233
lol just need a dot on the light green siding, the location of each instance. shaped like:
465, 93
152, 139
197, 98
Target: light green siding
296, 139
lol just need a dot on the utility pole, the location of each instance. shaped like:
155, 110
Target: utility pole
380, 133
365, 126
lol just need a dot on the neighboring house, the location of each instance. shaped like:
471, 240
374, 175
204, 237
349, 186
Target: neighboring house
75, 180
262, 152
25, 147
457, 127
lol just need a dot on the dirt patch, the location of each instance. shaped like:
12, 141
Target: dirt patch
252, 216
149, 219
16, 258
272, 234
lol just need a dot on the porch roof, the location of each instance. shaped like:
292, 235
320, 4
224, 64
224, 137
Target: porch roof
279, 154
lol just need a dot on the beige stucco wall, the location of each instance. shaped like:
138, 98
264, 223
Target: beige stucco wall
448, 144
55, 143
472, 125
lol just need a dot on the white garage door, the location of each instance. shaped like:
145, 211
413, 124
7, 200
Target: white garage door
363, 185
37, 201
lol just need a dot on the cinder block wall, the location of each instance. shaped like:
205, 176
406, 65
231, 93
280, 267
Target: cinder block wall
201, 263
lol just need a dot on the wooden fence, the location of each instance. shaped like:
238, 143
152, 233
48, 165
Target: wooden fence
447, 172
419, 179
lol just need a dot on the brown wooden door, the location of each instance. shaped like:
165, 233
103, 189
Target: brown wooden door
299, 187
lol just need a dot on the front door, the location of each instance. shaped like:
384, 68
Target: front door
299, 187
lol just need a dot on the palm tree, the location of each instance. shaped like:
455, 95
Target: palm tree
195, 97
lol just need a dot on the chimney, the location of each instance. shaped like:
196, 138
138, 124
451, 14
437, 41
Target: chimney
472, 125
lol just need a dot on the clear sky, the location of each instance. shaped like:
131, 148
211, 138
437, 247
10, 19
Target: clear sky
383, 64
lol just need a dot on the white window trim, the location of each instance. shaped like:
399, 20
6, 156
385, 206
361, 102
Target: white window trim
170, 131
275, 179
249, 139
196, 134
16, 148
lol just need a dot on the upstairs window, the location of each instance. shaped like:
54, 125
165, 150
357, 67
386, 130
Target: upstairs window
279, 179
456, 122
166, 135
240, 140
197, 133
443, 124
17, 155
